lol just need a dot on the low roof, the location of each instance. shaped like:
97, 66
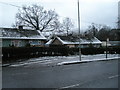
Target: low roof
93, 40
111, 43
13, 33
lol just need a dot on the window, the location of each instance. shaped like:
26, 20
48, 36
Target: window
12, 43
16, 43
20, 43
40, 42
30, 41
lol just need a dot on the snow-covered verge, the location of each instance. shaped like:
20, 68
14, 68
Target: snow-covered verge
87, 60
61, 60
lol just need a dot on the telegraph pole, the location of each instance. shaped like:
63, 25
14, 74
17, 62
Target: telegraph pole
106, 49
79, 31
107, 40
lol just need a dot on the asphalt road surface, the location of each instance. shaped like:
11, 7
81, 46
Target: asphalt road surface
100, 74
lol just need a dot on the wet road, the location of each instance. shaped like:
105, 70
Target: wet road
101, 74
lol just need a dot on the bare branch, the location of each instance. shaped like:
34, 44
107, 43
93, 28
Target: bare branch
35, 16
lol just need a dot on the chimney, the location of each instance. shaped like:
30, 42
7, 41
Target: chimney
20, 27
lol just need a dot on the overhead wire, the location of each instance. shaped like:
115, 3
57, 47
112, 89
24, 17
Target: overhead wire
59, 15
10, 4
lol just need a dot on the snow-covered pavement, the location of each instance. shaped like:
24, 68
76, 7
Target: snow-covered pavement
88, 60
61, 60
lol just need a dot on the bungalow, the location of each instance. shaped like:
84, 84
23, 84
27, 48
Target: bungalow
114, 43
73, 42
111, 43
13, 37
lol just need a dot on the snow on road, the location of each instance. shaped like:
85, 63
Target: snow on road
60, 60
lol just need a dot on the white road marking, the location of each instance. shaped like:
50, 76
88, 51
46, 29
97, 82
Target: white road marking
71, 86
115, 76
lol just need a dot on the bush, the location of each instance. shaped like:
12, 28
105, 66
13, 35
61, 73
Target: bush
28, 52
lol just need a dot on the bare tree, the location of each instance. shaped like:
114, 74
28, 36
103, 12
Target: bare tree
35, 17
93, 29
56, 26
67, 24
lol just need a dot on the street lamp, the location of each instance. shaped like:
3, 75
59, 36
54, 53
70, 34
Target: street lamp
79, 31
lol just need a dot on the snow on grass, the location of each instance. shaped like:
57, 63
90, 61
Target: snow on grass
86, 60
61, 60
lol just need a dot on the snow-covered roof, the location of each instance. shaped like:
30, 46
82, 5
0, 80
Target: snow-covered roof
21, 38
13, 33
82, 41
64, 42
95, 40
90, 41
49, 42
41, 35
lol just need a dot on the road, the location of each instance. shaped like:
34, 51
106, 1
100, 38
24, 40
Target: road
100, 74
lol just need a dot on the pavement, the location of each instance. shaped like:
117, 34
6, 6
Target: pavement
88, 60
62, 60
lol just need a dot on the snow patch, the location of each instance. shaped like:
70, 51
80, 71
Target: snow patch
88, 60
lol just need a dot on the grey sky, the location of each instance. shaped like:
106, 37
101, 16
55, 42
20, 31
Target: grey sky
91, 11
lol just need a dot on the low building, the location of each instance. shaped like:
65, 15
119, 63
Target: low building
73, 42
111, 43
13, 37
114, 43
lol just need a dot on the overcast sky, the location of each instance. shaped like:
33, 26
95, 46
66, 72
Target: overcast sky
91, 11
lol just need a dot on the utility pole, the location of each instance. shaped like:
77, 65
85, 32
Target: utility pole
79, 31
107, 40
106, 49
